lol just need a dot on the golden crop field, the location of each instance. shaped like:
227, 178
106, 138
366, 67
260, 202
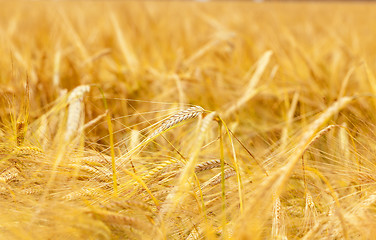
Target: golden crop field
187, 120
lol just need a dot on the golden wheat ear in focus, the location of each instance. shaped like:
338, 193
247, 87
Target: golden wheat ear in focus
187, 120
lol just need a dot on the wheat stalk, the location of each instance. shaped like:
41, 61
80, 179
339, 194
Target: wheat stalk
9, 174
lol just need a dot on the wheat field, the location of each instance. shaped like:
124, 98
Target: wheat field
187, 120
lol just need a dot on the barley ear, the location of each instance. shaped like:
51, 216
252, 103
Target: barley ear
177, 118
278, 226
310, 212
208, 165
75, 111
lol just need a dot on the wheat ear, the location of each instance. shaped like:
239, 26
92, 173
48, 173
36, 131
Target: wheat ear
28, 151
229, 172
100, 173
21, 131
190, 113
278, 228
32, 191
75, 110
152, 173
177, 118
310, 211
95, 160
208, 165
9, 174
84, 192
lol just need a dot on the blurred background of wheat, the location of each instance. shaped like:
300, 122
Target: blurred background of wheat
272, 71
